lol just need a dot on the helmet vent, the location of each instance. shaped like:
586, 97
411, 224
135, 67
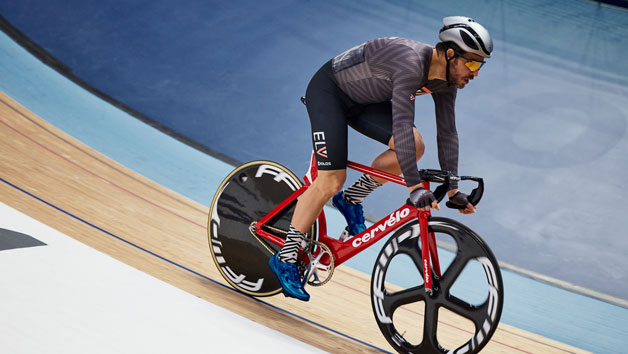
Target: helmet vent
468, 40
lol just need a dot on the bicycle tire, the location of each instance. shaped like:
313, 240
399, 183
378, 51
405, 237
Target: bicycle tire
246, 195
469, 247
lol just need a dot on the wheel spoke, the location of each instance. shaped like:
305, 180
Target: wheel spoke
403, 297
453, 271
476, 314
416, 256
430, 326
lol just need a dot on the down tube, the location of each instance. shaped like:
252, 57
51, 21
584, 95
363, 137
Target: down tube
375, 233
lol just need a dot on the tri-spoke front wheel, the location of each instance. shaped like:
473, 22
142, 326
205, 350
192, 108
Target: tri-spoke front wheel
461, 314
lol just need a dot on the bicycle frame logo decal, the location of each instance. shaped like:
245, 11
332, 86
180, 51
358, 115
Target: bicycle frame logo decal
319, 140
426, 271
392, 220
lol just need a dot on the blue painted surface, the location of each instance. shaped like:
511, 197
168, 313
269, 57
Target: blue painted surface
533, 306
107, 129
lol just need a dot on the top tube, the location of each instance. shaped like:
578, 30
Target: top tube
427, 175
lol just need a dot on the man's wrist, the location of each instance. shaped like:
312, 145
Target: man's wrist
452, 192
415, 187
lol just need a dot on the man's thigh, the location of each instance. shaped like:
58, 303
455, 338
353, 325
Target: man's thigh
374, 121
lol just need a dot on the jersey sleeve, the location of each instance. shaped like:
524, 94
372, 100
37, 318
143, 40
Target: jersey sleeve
405, 82
446, 133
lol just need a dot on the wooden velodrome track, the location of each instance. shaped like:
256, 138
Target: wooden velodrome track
61, 182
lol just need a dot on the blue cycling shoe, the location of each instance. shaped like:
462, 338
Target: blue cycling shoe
354, 214
288, 276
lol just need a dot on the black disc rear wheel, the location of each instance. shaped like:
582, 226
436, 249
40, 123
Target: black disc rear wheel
249, 193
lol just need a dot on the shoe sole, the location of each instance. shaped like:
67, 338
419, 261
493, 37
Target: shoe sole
283, 290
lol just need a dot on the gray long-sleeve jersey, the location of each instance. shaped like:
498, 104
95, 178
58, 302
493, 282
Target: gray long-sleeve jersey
396, 69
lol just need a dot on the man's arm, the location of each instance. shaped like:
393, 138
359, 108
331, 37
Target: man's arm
403, 134
446, 133
447, 139
404, 74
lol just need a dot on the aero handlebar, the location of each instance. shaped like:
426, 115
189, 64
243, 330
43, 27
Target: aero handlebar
445, 178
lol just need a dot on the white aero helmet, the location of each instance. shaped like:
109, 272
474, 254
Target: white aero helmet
469, 35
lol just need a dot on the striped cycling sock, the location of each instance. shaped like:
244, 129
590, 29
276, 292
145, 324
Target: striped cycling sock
360, 189
290, 250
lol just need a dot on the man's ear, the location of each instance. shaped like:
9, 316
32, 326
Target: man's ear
450, 54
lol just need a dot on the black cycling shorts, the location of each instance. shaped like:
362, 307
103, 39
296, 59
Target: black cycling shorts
331, 111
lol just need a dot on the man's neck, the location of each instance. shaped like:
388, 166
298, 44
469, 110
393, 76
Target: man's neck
438, 67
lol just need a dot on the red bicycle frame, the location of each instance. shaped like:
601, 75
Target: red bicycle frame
343, 251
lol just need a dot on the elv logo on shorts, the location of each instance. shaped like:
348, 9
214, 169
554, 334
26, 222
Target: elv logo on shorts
319, 144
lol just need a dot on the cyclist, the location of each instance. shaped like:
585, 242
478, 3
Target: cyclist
372, 87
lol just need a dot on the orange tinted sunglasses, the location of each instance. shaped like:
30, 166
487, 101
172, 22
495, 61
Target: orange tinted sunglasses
473, 65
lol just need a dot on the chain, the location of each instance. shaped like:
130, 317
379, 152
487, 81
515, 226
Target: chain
278, 230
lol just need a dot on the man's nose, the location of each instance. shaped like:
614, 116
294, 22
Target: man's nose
476, 73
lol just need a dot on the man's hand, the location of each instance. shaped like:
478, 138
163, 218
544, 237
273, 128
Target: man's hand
423, 199
461, 202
